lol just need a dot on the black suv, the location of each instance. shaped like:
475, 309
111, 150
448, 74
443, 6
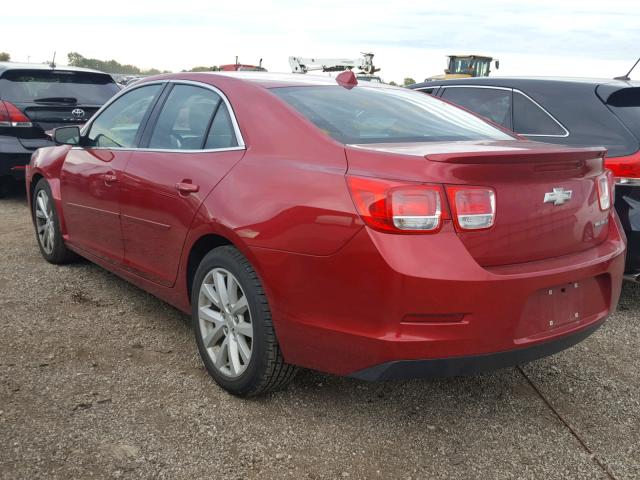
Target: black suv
568, 111
36, 98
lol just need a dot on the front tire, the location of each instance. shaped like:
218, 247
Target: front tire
233, 327
47, 226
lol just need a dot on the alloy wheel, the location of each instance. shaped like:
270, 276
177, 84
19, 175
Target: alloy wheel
225, 322
45, 222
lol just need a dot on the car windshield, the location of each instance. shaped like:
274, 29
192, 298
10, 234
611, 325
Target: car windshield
57, 86
384, 115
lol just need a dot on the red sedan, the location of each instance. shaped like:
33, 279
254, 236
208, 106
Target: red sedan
360, 230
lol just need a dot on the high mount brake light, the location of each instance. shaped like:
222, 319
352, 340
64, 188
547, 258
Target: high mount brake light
398, 207
11, 116
605, 190
472, 208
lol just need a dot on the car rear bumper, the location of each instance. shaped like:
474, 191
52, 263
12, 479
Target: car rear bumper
386, 302
13, 157
628, 208
473, 364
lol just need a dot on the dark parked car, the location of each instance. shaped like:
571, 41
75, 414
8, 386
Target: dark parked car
36, 98
568, 111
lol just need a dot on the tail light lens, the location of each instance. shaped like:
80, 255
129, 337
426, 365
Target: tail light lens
11, 116
605, 189
472, 208
625, 169
398, 207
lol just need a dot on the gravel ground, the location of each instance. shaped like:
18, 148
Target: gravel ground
101, 380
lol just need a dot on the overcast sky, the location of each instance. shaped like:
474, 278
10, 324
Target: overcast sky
408, 38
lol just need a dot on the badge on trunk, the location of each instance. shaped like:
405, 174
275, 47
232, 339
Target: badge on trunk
558, 196
77, 112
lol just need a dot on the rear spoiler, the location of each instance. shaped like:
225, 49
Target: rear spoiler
551, 155
616, 95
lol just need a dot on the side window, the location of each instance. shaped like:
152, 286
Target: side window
492, 103
118, 125
530, 119
430, 90
221, 134
184, 119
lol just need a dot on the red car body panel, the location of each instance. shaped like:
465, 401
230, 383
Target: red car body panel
154, 237
91, 202
345, 297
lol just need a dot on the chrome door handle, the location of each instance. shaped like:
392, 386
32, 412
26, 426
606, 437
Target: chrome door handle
187, 188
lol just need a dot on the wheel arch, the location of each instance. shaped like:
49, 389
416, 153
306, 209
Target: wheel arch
54, 185
199, 249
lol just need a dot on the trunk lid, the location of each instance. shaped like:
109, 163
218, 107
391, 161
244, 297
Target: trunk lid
521, 173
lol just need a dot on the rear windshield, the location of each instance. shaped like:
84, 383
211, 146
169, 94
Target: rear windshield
55, 86
626, 105
377, 115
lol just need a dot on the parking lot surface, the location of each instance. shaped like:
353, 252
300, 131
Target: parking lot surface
100, 380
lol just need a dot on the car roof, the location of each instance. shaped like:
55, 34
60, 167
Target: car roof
264, 79
4, 66
508, 81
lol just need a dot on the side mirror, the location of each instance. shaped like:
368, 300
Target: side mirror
67, 135
497, 64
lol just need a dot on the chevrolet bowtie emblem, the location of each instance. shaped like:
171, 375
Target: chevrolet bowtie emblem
558, 196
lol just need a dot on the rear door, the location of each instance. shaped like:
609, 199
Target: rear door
52, 98
91, 175
191, 143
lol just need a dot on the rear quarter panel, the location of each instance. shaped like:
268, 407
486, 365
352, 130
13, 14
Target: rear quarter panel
288, 192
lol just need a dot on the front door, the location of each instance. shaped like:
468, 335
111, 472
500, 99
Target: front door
91, 174
190, 145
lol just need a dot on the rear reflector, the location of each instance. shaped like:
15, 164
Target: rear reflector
11, 116
605, 184
398, 207
472, 208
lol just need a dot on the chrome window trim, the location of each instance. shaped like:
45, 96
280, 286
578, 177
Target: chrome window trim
514, 90
566, 132
236, 128
165, 150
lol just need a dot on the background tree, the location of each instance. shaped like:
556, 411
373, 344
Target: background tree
108, 66
5, 57
393, 84
408, 81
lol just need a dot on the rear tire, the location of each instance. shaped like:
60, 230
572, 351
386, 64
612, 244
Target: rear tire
48, 234
233, 327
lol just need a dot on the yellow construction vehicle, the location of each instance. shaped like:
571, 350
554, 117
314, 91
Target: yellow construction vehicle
464, 66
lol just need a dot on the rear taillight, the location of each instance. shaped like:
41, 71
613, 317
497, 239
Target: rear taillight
625, 169
398, 207
605, 189
472, 208
11, 116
